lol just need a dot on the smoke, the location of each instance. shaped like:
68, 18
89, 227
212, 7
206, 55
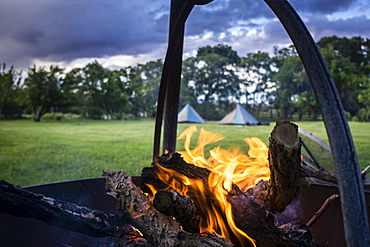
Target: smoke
291, 213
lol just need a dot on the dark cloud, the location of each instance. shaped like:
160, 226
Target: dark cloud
70, 29
223, 15
320, 6
356, 26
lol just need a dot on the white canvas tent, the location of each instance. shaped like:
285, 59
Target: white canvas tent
239, 116
189, 115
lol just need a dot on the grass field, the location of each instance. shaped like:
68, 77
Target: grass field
50, 151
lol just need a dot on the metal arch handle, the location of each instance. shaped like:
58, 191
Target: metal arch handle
175, 38
348, 172
166, 98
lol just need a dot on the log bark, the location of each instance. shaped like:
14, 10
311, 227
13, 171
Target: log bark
286, 173
22, 203
157, 228
171, 203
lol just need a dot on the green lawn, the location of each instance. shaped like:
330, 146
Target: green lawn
50, 151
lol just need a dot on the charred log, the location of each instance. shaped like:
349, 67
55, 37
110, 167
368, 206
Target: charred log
252, 218
286, 173
22, 203
171, 203
159, 229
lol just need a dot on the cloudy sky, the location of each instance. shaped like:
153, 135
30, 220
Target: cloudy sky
119, 33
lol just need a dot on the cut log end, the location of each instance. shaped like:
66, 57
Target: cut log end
286, 133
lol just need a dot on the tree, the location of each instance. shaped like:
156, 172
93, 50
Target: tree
364, 92
187, 90
286, 86
293, 91
215, 78
349, 65
134, 88
43, 89
72, 96
103, 90
92, 77
144, 87
114, 99
151, 77
364, 99
11, 92
258, 68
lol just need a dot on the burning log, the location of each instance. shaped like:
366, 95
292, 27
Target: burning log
172, 203
287, 175
157, 228
22, 203
252, 217
250, 210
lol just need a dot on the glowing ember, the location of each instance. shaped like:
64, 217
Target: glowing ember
227, 167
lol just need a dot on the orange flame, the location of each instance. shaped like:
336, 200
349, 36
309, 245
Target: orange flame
226, 167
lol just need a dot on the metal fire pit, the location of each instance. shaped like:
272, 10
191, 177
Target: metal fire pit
16, 231
329, 230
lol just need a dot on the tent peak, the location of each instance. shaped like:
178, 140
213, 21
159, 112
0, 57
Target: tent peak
239, 116
189, 115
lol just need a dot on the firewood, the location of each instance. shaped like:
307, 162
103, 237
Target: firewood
171, 203
22, 203
251, 209
326, 176
286, 173
320, 174
251, 218
157, 228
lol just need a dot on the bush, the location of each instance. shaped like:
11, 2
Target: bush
60, 116
71, 116
363, 115
129, 117
348, 116
56, 115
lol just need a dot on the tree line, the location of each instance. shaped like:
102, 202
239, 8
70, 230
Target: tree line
212, 82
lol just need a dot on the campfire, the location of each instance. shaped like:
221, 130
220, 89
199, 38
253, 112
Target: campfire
227, 199
226, 168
